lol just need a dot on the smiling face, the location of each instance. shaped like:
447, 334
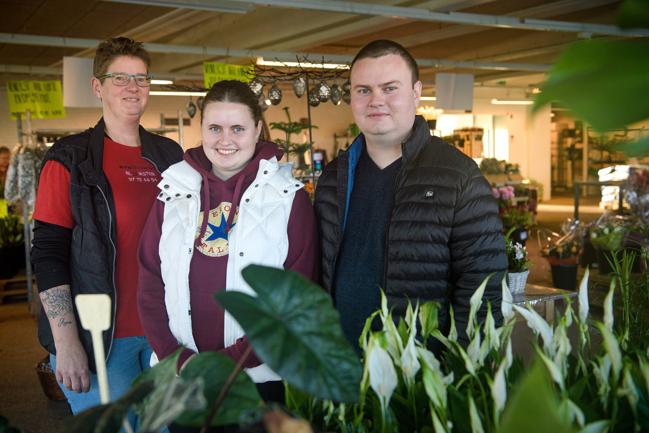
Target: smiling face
384, 98
122, 103
229, 137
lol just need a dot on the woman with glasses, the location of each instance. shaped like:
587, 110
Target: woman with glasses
95, 192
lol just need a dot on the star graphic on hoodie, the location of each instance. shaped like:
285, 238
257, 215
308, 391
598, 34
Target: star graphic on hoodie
218, 232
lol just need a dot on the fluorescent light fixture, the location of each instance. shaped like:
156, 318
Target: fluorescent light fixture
511, 102
428, 98
262, 62
162, 82
175, 93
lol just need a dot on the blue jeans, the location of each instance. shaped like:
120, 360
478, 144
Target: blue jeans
129, 356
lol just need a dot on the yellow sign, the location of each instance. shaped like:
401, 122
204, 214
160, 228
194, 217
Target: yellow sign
43, 98
214, 72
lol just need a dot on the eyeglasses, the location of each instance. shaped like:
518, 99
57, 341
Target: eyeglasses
123, 79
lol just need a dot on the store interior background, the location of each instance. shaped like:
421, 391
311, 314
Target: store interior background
547, 146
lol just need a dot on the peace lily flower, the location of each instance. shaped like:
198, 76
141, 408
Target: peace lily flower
499, 388
539, 326
507, 302
383, 376
608, 306
409, 362
476, 302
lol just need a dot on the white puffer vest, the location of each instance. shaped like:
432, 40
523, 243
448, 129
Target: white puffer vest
259, 237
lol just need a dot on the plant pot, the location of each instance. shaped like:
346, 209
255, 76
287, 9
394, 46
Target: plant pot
12, 259
564, 276
516, 281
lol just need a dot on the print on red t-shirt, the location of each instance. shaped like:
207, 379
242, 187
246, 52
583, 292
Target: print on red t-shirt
133, 183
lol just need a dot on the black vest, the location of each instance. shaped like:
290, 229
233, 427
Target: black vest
444, 237
92, 250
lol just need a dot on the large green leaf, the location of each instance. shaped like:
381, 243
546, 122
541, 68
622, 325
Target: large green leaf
602, 82
107, 418
295, 330
534, 408
634, 14
214, 368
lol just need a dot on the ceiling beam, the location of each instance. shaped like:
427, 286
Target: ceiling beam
56, 41
221, 6
54, 70
421, 14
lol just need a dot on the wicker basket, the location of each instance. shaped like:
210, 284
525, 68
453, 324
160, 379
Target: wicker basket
48, 380
516, 281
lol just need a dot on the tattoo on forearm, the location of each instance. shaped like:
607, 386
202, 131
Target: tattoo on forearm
57, 302
64, 322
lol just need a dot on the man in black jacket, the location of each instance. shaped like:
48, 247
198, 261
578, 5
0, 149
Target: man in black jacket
402, 210
94, 195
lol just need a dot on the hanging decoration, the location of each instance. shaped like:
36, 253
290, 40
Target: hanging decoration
199, 102
323, 91
314, 98
263, 102
191, 108
336, 94
257, 87
347, 96
275, 95
299, 86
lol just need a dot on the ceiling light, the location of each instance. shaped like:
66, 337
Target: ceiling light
175, 93
262, 62
428, 98
162, 82
511, 102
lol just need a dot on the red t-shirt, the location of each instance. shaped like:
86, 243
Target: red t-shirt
133, 181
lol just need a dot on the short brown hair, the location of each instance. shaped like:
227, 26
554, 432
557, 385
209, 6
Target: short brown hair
234, 91
383, 47
112, 48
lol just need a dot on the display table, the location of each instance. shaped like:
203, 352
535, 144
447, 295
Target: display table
536, 295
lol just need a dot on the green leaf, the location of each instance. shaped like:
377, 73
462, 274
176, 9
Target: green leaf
107, 418
636, 148
294, 328
599, 81
634, 14
534, 407
214, 368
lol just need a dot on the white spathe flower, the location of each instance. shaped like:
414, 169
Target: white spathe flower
409, 362
608, 306
539, 326
507, 302
583, 298
383, 376
499, 388
612, 349
553, 369
476, 423
476, 302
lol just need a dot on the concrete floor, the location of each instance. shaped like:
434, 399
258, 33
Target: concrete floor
23, 402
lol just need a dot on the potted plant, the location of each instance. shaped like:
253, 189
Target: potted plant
516, 218
562, 253
12, 237
289, 128
517, 264
607, 236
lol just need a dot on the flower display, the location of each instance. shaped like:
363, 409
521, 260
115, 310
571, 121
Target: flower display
517, 259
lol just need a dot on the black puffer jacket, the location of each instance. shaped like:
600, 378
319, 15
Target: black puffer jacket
445, 235
84, 257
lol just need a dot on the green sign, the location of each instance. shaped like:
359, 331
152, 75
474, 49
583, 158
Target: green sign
214, 72
44, 99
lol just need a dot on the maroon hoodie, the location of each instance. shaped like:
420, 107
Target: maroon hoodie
208, 267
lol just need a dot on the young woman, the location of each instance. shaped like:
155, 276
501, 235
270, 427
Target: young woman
228, 204
96, 189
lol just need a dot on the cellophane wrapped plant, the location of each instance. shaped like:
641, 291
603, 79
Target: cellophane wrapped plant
607, 233
485, 388
561, 249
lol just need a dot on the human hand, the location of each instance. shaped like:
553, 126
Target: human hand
72, 366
